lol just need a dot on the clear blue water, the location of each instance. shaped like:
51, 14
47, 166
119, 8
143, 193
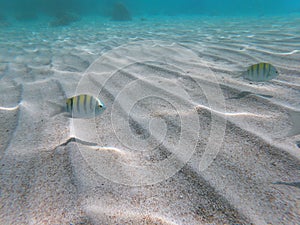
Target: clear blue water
154, 7
53, 49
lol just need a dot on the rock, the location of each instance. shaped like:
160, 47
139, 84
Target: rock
120, 13
64, 19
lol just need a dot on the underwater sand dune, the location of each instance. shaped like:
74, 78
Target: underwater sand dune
183, 139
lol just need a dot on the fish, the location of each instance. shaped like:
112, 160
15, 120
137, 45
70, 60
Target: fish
80, 106
260, 72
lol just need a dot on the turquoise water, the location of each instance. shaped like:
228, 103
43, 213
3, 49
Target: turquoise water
154, 7
167, 73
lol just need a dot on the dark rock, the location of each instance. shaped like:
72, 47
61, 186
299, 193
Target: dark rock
64, 19
120, 13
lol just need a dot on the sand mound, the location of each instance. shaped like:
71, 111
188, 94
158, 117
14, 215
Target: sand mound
182, 141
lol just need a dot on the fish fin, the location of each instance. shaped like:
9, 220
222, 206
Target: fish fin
295, 117
56, 108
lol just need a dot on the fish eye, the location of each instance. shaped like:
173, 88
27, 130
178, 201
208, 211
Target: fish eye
100, 106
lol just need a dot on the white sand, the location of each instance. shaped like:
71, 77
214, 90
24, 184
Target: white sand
177, 144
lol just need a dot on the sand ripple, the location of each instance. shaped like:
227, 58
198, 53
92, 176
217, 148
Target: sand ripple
183, 140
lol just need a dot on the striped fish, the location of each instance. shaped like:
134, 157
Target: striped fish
84, 106
261, 72
80, 106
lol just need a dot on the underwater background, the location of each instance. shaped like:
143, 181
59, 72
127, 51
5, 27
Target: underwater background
199, 118
157, 7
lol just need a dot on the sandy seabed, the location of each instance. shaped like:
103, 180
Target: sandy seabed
183, 139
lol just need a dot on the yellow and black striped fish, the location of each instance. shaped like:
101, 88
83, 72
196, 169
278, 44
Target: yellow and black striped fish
261, 72
84, 106
80, 106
